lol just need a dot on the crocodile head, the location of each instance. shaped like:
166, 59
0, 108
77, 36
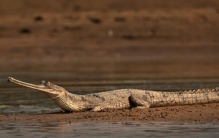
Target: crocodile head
48, 88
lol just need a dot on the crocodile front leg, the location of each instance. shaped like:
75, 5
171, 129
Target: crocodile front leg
106, 106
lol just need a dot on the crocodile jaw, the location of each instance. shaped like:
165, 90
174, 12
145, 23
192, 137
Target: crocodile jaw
45, 87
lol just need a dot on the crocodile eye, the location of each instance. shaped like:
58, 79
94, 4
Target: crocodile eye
48, 83
42, 82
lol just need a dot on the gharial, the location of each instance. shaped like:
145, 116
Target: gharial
121, 99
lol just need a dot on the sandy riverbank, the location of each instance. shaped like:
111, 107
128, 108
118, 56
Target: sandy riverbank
185, 114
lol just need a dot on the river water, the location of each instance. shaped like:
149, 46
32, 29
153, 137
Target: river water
106, 129
15, 99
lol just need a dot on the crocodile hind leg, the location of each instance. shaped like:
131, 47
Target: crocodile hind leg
139, 101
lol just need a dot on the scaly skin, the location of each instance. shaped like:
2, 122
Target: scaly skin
121, 99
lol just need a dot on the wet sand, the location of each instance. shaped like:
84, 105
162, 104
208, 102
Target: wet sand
179, 114
151, 38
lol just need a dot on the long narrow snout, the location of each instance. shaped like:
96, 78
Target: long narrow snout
43, 87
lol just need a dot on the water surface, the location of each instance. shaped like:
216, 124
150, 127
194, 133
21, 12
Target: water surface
111, 129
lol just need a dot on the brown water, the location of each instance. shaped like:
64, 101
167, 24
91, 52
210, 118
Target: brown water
109, 129
15, 99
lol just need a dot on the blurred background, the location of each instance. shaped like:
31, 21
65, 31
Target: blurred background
110, 41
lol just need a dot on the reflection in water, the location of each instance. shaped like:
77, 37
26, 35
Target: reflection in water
107, 129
